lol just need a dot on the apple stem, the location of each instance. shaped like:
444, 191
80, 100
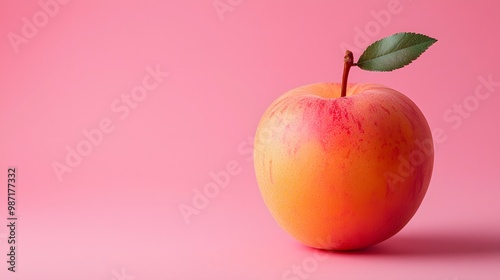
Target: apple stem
348, 62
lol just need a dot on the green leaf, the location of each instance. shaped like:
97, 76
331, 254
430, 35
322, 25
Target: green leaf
394, 52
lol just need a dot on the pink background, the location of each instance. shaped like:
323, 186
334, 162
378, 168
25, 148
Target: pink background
119, 209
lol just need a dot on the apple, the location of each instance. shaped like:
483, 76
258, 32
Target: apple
343, 166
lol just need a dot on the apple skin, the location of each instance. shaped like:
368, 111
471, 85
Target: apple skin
343, 173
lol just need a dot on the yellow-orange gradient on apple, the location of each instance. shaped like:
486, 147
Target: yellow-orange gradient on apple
347, 172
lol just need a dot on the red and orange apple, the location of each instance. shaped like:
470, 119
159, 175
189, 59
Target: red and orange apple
343, 166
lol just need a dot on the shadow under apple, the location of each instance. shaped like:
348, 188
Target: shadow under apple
440, 244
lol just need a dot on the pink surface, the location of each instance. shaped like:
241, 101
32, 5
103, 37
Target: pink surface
117, 214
